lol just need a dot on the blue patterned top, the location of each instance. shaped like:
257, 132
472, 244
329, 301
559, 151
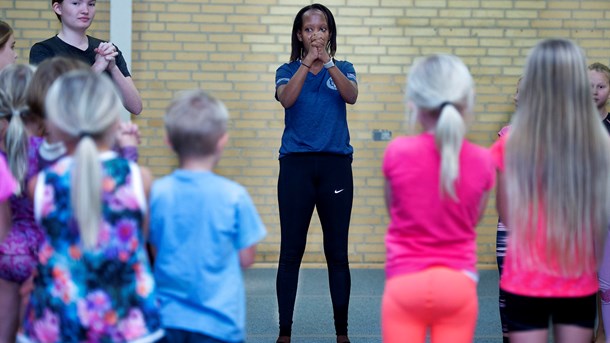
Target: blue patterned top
104, 294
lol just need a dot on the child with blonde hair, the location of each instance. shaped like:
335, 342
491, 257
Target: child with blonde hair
437, 185
94, 280
51, 149
204, 228
554, 176
599, 76
19, 250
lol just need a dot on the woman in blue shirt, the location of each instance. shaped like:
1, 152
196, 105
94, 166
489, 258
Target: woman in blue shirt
315, 160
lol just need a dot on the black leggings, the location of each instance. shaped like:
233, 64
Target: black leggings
324, 181
501, 237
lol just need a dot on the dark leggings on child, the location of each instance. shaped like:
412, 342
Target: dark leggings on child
323, 181
501, 237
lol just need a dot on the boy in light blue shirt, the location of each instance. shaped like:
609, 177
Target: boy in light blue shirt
203, 229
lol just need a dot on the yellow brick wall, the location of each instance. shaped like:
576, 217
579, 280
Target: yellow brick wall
232, 48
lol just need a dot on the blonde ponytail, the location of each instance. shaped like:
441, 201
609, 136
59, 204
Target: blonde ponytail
14, 82
86, 190
84, 106
449, 134
17, 146
442, 86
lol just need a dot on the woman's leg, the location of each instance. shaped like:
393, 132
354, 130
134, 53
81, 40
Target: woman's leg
335, 192
296, 202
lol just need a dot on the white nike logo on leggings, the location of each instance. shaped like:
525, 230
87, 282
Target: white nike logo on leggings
338, 191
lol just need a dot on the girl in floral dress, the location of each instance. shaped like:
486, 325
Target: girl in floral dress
94, 282
19, 248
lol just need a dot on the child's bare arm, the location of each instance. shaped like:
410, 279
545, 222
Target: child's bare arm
147, 179
247, 256
501, 198
128, 135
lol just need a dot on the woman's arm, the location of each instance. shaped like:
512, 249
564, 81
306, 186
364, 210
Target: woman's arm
287, 94
347, 88
105, 59
131, 97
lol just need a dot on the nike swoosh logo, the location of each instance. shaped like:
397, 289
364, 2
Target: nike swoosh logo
338, 191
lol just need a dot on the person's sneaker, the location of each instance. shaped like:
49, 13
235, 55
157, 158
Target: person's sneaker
283, 339
342, 339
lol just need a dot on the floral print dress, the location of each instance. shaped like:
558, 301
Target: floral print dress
104, 294
19, 250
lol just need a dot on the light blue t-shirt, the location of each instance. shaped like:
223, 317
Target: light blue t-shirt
317, 121
198, 223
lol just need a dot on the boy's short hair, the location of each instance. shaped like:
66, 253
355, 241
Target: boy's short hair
194, 122
601, 68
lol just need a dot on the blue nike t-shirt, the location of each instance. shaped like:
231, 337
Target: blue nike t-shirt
317, 121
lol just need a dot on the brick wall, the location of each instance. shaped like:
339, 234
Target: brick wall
232, 48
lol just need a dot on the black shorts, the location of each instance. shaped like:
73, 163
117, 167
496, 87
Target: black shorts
525, 313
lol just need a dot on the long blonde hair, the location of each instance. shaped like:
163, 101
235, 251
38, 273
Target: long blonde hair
442, 84
85, 107
14, 81
557, 164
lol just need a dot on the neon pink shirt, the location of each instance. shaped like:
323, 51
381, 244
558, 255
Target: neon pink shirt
543, 280
426, 229
7, 182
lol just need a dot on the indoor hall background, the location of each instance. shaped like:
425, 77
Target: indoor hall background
232, 48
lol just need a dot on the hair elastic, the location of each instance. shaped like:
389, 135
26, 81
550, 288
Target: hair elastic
84, 134
440, 108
